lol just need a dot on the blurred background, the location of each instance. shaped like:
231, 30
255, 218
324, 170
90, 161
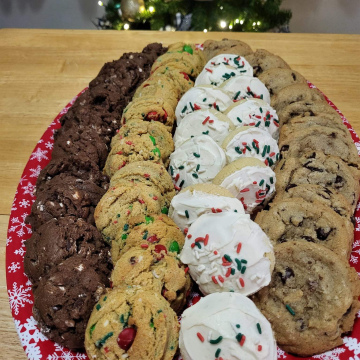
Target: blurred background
308, 16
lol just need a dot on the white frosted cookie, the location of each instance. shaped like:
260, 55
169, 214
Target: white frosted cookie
197, 160
203, 122
243, 87
202, 97
249, 180
248, 141
254, 112
226, 326
221, 68
199, 199
227, 251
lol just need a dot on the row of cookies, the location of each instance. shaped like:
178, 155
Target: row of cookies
309, 221
132, 217
66, 259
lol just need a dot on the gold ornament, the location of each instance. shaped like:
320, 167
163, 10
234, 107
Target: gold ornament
130, 8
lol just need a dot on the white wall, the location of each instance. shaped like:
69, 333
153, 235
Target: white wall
321, 16
51, 14
324, 16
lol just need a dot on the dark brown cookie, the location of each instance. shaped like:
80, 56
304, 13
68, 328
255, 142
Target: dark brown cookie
298, 220
65, 195
262, 60
65, 297
306, 108
59, 239
276, 79
312, 298
319, 169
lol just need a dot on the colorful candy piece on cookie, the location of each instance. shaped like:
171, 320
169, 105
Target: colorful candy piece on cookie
227, 251
198, 199
198, 160
203, 122
226, 326
244, 87
251, 142
249, 180
202, 97
254, 112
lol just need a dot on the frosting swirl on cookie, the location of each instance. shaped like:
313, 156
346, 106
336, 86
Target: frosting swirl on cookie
243, 87
187, 206
196, 161
251, 142
227, 326
254, 112
202, 97
227, 251
203, 122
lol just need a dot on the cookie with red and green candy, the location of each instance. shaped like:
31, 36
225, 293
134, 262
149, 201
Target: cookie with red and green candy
139, 140
132, 322
146, 230
157, 268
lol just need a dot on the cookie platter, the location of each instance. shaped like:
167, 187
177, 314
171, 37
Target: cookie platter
35, 344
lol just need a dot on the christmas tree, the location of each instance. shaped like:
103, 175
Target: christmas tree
200, 15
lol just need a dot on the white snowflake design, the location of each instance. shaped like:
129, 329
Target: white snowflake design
330, 355
20, 252
65, 354
19, 226
354, 259
39, 155
281, 354
24, 203
35, 172
18, 297
30, 336
29, 189
352, 344
9, 240
14, 267
49, 145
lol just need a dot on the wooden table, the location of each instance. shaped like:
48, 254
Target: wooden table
41, 70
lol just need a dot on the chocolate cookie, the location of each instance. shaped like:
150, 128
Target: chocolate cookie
226, 46
262, 60
146, 230
65, 195
298, 220
320, 139
137, 141
155, 269
319, 169
306, 108
312, 298
318, 193
296, 93
65, 297
276, 79
150, 109
59, 239
132, 323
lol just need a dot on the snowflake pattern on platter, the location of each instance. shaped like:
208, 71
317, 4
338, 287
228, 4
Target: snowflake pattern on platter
35, 344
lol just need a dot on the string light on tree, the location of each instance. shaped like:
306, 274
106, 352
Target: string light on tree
230, 27
205, 30
100, 3
151, 9
223, 24
126, 26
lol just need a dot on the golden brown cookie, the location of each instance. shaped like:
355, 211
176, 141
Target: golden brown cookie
226, 46
132, 323
154, 268
139, 140
312, 298
145, 230
190, 48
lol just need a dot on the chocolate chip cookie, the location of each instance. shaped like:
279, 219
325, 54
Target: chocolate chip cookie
226, 46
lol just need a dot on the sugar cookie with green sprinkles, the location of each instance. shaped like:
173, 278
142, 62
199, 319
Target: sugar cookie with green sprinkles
226, 326
248, 141
227, 251
157, 268
122, 201
312, 298
146, 230
133, 323
198, 160
256, 113
137, 141
202, 97
249, 180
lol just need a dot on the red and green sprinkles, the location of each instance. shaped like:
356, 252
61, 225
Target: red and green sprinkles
290, 310
99, 343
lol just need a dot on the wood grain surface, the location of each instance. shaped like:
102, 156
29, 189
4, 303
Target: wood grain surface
41, 70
